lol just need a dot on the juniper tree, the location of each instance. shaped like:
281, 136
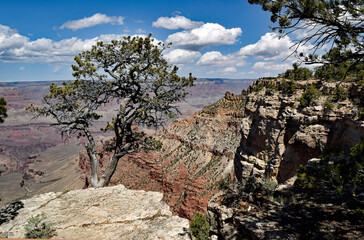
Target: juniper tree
131, 72
337, 24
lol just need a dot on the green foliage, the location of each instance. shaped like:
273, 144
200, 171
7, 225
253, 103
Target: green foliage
200, 227
342, 71
328, 105
3, 109
341, 94
298, 15
258, 87
335, 173
37, 228
131, 72
287, 87
297, 73
270, 88
309, 96
268, 187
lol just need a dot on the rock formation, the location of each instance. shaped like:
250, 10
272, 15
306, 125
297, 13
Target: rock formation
278, 135
197, 153
103, 213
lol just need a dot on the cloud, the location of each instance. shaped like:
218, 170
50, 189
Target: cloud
224, 71
229, 70
217, 59
209, 34
214, 58
269, 47
21, 68
94, 20
10, 38
271, 66
181, 56
139, 30
17, 48
176, 22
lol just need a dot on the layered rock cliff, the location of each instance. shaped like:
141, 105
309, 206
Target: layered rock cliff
278, 134
263, 132
197, 156
103, 213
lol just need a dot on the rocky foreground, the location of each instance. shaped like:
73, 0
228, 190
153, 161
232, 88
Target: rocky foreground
102, 213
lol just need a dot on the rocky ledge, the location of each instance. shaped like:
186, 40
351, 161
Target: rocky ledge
102, 213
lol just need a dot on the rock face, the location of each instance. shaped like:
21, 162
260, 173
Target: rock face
278, 135
103, 213
256, 133
197, 153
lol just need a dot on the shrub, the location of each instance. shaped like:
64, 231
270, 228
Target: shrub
37, 228
328, 105
258, 87
269, 187
270, 88
287, 88
309, 96
297, 73
200, 227
341, 94
335, 173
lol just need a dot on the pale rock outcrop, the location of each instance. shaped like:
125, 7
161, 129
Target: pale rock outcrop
102, 213
277, 135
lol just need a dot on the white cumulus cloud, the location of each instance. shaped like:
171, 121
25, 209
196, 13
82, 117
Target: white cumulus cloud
229, 70
214, 58
17, 48
209, 34
181, 56
217, 59
10, 38
269, 47
271, 66
176, 23
94, 20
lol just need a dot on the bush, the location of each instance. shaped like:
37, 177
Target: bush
258, 87
37, 228
335, 173
297, 73
341, 94
270, 89
328, 105
200, 227
287, 88
309, 96
269, 187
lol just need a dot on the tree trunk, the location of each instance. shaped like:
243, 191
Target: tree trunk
94, 163
109, 171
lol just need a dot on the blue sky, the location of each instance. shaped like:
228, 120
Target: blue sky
230, 38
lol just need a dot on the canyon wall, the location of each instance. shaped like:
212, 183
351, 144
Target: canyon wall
196, 158
278, 135
260, 133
